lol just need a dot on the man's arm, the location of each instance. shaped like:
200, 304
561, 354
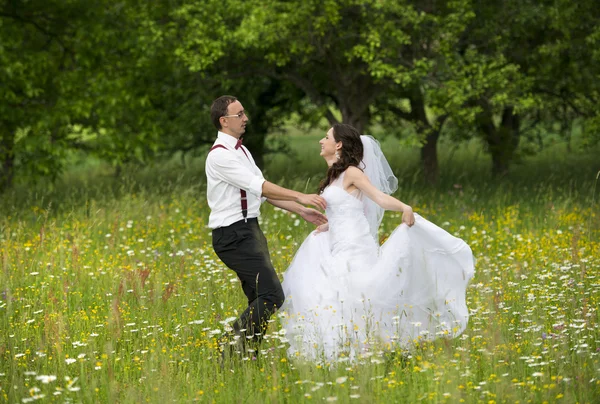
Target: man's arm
310, 215
223, 165
275, 192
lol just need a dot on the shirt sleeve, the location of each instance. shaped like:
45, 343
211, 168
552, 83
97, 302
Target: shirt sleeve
226, 166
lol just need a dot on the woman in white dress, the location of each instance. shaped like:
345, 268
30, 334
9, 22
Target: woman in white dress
345, 294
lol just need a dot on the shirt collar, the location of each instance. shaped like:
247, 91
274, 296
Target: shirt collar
227, 139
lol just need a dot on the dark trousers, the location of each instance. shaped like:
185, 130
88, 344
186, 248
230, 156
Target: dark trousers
243, 248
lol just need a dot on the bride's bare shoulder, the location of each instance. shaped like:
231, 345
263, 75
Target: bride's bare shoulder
354, 172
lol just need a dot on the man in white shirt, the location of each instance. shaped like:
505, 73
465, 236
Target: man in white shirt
235, 190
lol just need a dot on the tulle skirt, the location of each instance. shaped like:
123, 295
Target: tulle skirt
347, 298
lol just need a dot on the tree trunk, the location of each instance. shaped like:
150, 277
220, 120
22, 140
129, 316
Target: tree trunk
7, 160
254, 138
429, 157
260, 123
507, 142
502, 140
355, 93
358, 119
256, 144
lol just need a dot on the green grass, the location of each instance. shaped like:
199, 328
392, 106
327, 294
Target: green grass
111, 285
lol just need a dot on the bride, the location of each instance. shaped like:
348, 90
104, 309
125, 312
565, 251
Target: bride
345, 294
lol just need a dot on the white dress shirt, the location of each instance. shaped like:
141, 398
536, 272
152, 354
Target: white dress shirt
227, 171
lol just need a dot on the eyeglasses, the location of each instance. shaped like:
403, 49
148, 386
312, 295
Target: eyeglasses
238, 115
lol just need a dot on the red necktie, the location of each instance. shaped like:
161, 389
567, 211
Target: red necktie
238, 144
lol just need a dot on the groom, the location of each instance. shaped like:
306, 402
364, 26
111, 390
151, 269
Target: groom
235, 190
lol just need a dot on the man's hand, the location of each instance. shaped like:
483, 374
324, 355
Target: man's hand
408, 216
312, 200
313, 216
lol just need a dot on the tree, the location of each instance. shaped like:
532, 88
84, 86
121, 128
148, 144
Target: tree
34, 55
101, 78
536, 63
64, 87
132, 81
569, 65
344, 56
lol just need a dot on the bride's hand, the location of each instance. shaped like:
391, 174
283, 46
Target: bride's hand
408, 216
322, 228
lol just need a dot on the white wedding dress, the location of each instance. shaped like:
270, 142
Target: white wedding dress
346, 295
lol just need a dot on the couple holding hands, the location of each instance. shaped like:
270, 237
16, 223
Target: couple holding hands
343, 294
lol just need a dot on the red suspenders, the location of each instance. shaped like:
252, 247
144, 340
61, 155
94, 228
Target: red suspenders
242, 192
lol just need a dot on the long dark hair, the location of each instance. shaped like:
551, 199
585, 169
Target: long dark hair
351, 153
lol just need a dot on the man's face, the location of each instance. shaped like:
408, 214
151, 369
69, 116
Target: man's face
234, 123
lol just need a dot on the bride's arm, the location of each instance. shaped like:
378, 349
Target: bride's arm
357, 178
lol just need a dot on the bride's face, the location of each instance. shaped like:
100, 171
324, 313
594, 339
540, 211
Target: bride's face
329, 145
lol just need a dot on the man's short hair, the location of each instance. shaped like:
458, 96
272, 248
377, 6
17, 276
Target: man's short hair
219, 109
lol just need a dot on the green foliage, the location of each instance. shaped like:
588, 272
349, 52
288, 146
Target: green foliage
132, 81
33, 58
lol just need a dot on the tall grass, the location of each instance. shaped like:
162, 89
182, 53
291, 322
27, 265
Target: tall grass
110, 290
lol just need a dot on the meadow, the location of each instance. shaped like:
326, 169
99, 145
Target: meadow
110, 291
